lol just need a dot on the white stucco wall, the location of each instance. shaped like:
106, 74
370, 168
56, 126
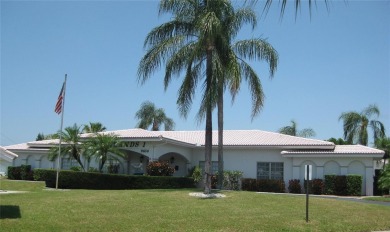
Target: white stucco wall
337, 165
242, 159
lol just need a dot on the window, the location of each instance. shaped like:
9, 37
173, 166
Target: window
214, 166
270, 170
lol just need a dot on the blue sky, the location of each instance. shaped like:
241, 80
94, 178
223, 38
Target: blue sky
336, 61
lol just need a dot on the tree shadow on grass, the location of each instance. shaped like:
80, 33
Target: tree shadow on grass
9, 211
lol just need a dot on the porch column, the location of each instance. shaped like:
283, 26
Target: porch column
369, 182
295, 174
343, 170
320, 172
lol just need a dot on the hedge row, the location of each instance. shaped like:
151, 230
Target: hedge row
350, 185
22, 172
316, 186
276, 186
90, 180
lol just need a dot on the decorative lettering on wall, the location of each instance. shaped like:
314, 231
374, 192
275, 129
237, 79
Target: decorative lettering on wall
133, 144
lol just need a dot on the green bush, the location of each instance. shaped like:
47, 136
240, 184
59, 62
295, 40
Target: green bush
340, 186
384, 180
75, 168
196, 174
354, 185
316, 186
157, 168
248, 184
90, 180
294, 186
232, 179
44, 174
276, 186
343, 185
329, 188
14, 173
25, 172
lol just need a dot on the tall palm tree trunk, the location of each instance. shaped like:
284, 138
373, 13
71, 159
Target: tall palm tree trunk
209, 125
220, 134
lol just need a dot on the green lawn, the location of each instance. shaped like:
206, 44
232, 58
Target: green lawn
385, 199
175, 210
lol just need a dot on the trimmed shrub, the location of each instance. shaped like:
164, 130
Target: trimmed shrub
329, 188
157, 168
44, 174
343, 185
25, 172
354, 185
294, 186
317, 186
276, 186
340, 186
14, 173
248, 184
75, 168
90, 180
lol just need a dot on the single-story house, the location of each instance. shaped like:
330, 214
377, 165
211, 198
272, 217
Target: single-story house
258, 154
6, 160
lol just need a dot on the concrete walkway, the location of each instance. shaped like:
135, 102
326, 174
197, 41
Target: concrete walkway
9, 191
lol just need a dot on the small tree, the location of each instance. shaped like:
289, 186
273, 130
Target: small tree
103, 147
384, 179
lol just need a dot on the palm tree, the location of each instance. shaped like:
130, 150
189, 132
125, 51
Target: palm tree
103, 147
338, 141
237, 69
148, 115
72, 145
192, 42
93, 127
297, 5
292, 130
356, 125
198, 41
384, 144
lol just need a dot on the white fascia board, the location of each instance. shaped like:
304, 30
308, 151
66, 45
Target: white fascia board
332, 155
298, 147
29, 151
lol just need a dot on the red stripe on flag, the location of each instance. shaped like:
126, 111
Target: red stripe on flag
58, 108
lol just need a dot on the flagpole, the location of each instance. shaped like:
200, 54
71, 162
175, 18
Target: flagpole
62, 121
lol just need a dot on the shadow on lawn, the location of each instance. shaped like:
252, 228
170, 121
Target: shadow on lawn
9, 211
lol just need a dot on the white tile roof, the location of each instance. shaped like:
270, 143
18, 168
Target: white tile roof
197, 138
339, 149
233, 138
7, 155
243, 138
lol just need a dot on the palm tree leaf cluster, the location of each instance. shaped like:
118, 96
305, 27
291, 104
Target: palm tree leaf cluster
102, 146
149, 115
356, 125
293, 130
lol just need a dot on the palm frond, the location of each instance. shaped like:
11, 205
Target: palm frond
257, 49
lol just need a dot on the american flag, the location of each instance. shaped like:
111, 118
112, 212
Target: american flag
58, 107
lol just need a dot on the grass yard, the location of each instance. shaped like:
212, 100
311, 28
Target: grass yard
385, 199
175, 210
